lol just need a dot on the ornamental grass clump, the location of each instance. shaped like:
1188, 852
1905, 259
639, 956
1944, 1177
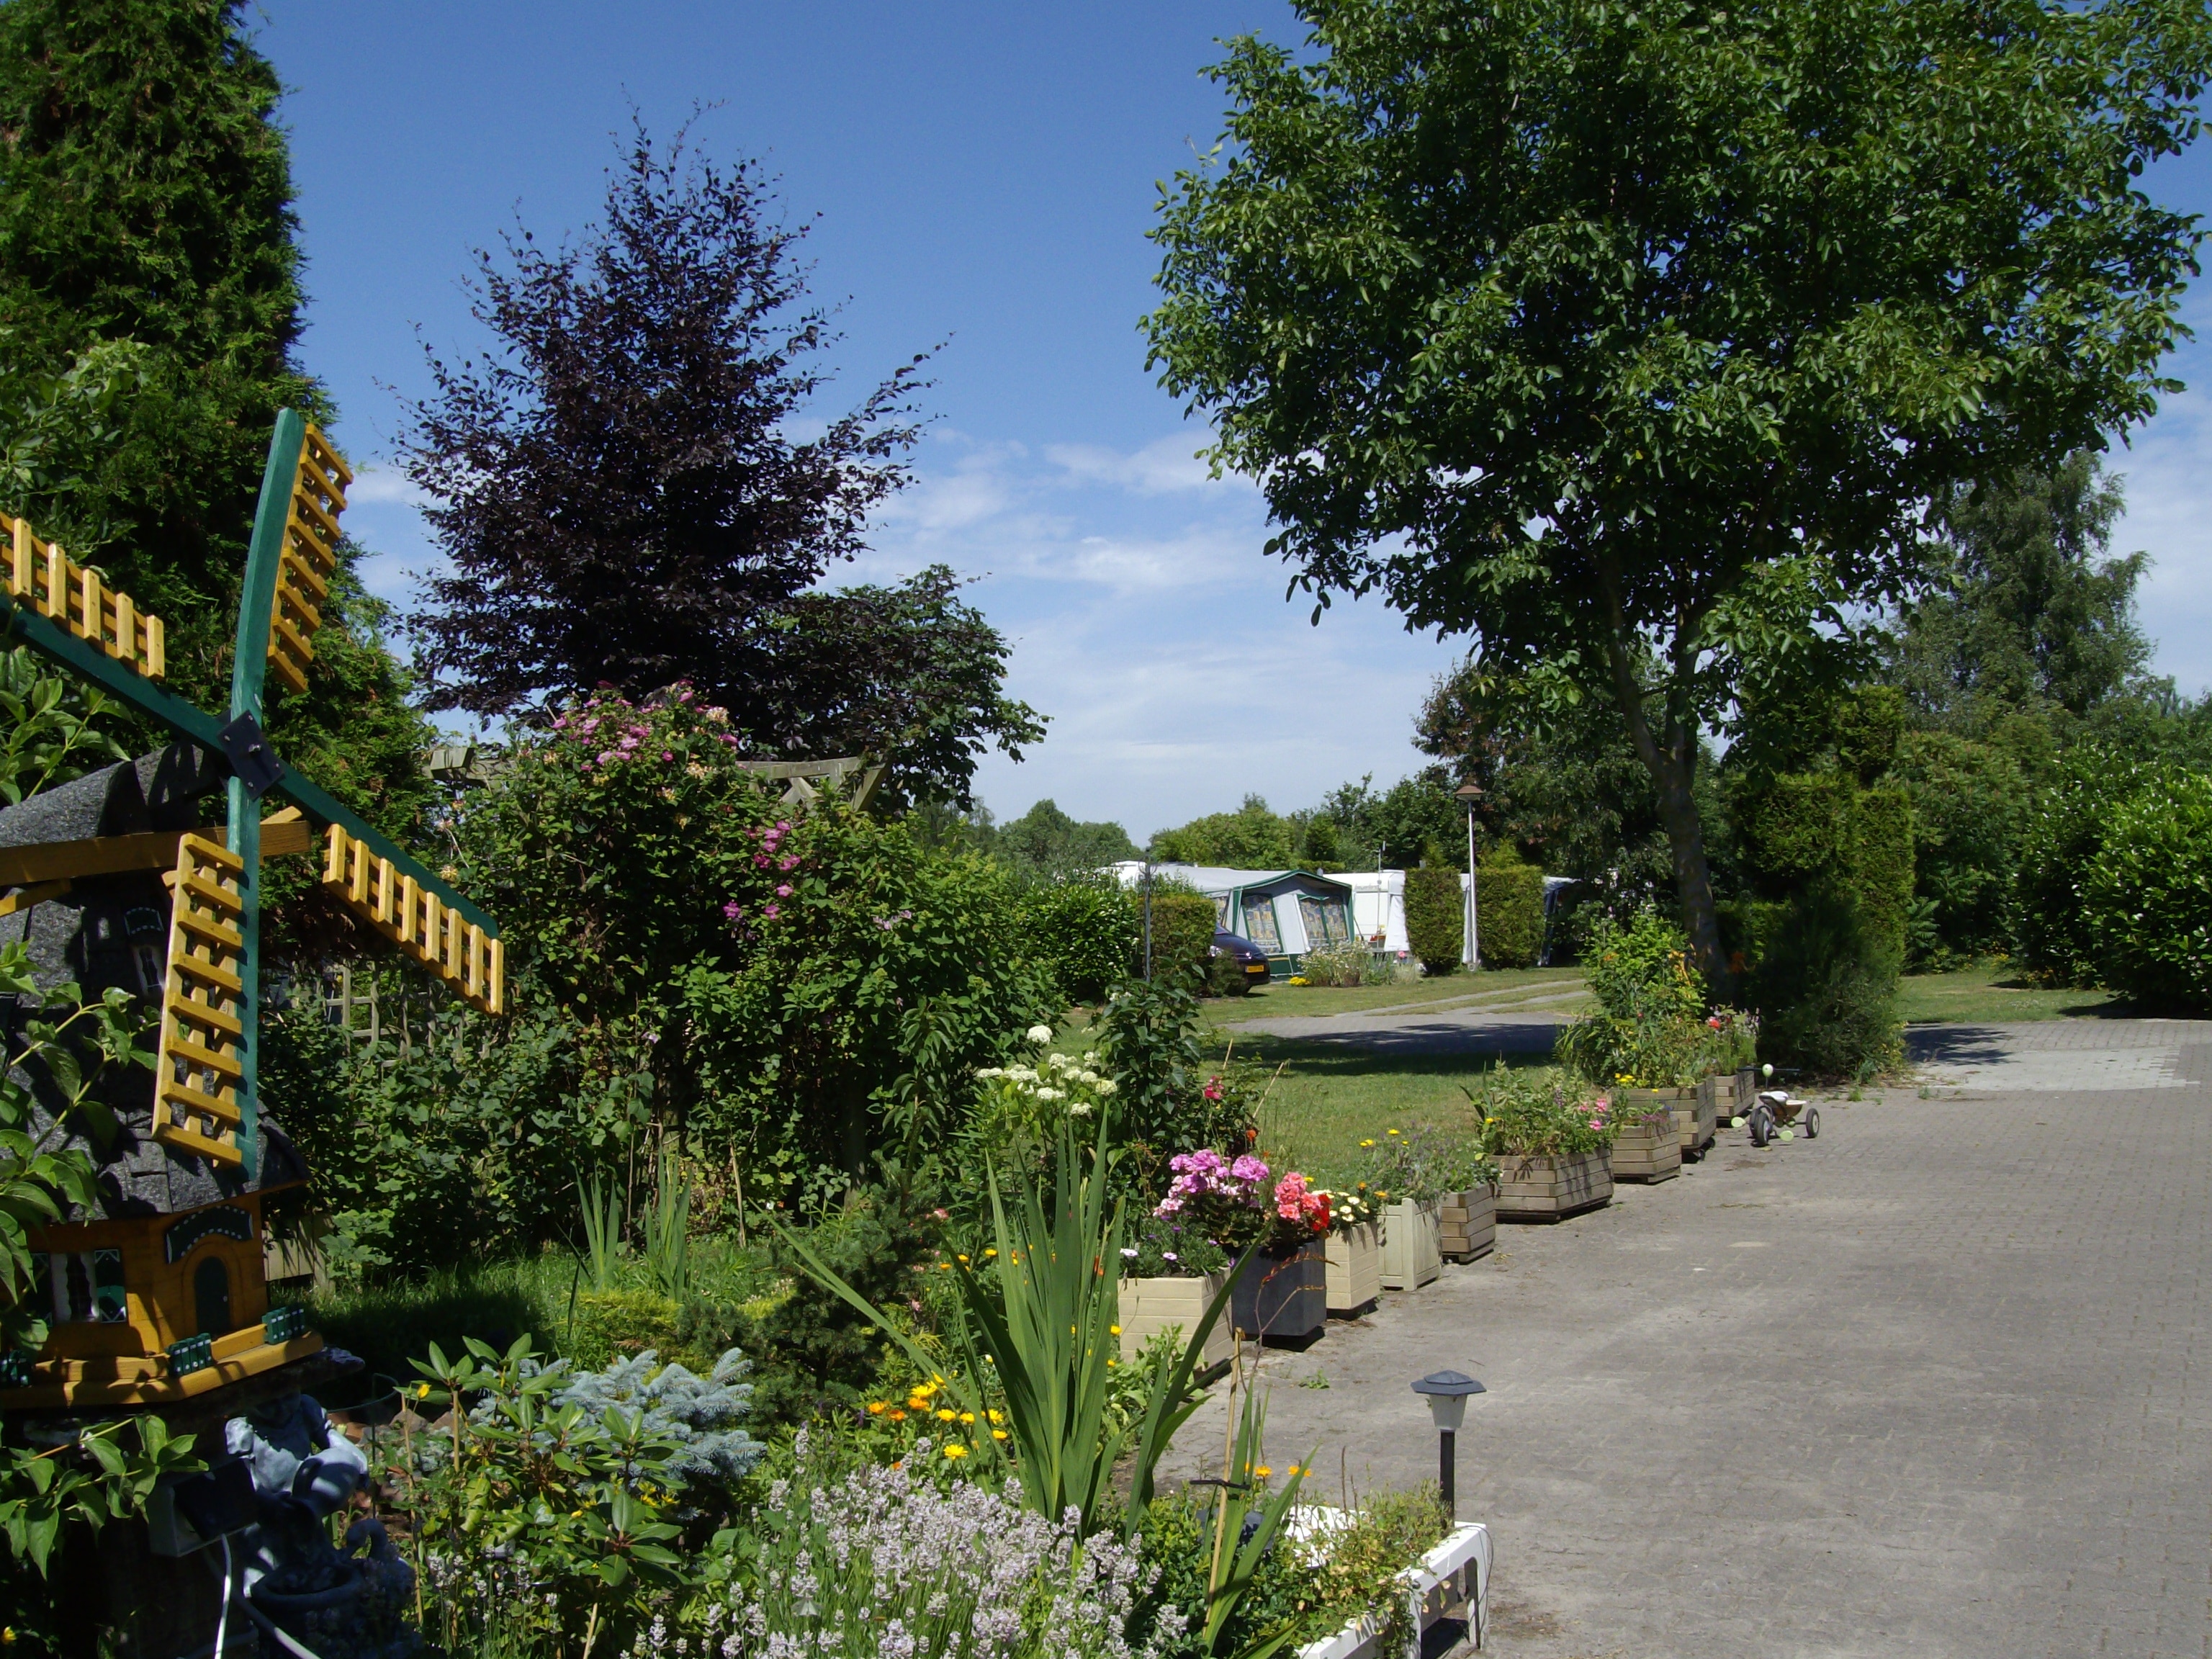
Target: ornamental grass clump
873, 1561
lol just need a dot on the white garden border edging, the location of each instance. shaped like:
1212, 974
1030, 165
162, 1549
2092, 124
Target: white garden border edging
1456, 1570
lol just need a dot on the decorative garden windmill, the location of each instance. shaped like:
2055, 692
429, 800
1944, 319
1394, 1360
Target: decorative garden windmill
165, 1297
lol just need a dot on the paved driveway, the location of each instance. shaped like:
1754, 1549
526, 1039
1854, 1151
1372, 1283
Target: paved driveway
1937, 1383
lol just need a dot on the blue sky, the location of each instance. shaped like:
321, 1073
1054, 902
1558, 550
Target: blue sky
981, 175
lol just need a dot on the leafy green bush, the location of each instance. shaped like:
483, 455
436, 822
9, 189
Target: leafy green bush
817, 1353
1508, 893
799, 989
1166, 1099
1647, 1031
1336, 964
1084, 932
1826, 984
2148, 894
2052, 935
1436, 920
1226, 977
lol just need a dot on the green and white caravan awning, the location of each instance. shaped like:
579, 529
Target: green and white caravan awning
1287, 913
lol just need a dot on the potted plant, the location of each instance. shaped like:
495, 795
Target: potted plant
1404, 1168
1170, 1272
1354, 1251
1284, 1296
1553, 1143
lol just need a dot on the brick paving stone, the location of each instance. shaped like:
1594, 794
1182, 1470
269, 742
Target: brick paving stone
1929, 1385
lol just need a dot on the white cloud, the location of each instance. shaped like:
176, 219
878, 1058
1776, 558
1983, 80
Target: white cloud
379, 486
1162, 467
2166, 474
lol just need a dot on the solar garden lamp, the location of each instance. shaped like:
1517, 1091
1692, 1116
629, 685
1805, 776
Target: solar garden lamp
1447, 1392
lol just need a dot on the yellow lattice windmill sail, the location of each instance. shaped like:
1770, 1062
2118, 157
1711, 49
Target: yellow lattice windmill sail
197, 1068
43, 577
309, 560
412, 917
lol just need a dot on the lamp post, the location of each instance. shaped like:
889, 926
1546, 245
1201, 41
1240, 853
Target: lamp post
1447, 1392
1469, 794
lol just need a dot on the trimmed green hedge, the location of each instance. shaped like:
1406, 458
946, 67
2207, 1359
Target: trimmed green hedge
1183, 926
2147, 896
1084, 931
1435, 927
1508, 893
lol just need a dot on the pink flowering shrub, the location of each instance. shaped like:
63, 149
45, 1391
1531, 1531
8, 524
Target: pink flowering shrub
773, 972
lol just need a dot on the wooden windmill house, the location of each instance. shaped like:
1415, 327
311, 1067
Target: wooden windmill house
112, 881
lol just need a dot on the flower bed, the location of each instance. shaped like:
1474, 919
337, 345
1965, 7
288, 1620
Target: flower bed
1283, 1295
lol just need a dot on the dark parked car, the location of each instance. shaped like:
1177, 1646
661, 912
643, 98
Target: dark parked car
1249, 956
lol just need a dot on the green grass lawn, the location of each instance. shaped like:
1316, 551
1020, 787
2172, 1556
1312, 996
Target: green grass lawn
1995, 992
1502, 987
1326, 1101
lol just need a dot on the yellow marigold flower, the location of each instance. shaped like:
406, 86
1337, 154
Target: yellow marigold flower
1115, 1329
944, 1415
967, 1417
963, 1261
1393, 1132
1111, 1363
1369, 1142
956, 1452
997, 1434
992, 1252
898, 1417
1261, 1471
993, 1415
421, 1390
877, 1407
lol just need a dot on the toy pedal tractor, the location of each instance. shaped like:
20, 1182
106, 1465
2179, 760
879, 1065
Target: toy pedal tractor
163, 1298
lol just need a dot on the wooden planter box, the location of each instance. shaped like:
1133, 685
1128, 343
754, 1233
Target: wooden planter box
1355, 1269
1149, 1306
1546, 1189
1696, 1119
1284, 1297
1747, 1091
1413, 1251
1650, 1150
1467, 1227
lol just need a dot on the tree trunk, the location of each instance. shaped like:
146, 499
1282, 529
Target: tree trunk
1670, 757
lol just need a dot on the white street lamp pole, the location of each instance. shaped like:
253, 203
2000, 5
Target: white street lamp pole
1471, 955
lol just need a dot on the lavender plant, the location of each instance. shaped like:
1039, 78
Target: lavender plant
875, 1561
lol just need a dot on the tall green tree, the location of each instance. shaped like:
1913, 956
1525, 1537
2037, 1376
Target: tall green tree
1630, 341
625, 503
1250, 838
146, 203
2033, 611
